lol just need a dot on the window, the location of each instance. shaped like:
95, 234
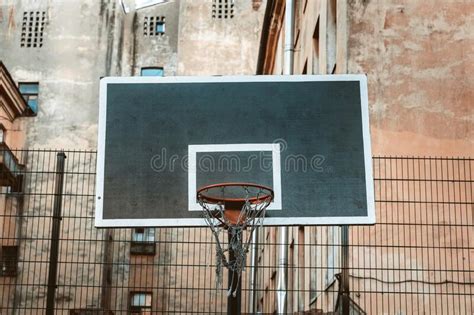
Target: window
143, 235
32, 29
3, 132
140, 302
143, 242
17, 185
222, 9
30, 94
152, 72
160, 27
154, 26
9, 261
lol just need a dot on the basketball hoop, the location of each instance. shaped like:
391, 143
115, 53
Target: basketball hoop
234, 207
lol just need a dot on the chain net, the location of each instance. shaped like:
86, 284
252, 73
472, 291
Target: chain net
233, 254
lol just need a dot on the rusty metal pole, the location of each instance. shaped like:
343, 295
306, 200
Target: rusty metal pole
106, 292
55, 230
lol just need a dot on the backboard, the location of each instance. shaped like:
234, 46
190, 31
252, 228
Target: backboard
306, 137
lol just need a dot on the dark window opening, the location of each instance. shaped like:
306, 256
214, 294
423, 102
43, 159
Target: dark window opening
17, 186
9, 261
222, 9
154, 26
32, 29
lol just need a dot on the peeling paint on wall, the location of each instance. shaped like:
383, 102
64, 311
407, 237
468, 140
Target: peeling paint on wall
418, 58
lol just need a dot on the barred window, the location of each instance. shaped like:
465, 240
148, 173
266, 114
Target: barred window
222, 9
154, 26
140, 302
32, 29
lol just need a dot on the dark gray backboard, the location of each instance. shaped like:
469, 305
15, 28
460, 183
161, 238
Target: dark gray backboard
307, 137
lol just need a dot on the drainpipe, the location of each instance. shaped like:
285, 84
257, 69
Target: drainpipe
282, 289
289, 37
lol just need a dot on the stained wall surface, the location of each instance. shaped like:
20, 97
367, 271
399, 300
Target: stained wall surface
83, 41
75, 51
77, 43
219, 46
418, 56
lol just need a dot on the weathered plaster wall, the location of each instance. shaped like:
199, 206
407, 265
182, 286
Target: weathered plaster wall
78, 49
81, 40
86, 40
418, 56
156, 51
210, 46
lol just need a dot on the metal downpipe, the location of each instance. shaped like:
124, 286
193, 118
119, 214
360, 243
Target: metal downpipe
282, 288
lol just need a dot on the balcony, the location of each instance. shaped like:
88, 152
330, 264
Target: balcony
9, 166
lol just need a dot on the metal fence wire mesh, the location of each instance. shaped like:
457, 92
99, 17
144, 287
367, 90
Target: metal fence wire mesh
417, 259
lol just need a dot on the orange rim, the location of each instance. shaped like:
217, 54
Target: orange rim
267, 193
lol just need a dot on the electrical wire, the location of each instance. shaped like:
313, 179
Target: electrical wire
412, 281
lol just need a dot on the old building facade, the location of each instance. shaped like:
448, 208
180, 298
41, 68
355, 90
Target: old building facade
65, 47
417, 57
14, 115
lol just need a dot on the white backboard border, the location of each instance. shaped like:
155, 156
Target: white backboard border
334, 220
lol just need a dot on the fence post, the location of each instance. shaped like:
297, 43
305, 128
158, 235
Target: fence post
55, 230
345, 270
106, 292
